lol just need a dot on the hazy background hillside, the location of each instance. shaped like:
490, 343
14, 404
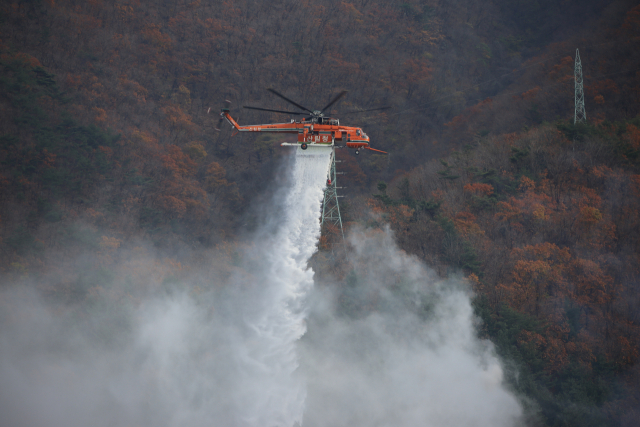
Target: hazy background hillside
107, 144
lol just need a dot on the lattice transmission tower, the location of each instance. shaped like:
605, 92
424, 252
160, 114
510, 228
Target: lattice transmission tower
330, 205
580, 115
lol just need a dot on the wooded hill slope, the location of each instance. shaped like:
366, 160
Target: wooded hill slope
548, 231
105, 138
148, 72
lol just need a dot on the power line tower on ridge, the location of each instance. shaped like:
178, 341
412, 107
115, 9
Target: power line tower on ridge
330, 206
580, 115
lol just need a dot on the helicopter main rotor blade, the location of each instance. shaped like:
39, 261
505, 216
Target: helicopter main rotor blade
334, 100
297, 113
289, 101
363, 111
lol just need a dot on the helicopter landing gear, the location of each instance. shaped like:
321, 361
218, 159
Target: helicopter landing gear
357, 152
303, 146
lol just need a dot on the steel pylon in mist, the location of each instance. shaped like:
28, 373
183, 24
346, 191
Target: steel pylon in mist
580, 115
330, 206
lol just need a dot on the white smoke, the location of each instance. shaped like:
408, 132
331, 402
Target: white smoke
397, 346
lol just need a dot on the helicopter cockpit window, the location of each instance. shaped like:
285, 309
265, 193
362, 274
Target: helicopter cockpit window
358, 132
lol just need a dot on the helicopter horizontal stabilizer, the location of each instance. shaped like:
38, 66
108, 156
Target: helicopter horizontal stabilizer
377, 151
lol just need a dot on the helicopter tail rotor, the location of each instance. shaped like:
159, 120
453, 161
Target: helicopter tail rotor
224, 109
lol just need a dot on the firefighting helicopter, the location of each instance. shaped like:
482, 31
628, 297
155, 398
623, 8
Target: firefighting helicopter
313, 129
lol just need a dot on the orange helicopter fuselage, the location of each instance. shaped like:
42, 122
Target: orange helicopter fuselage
328, 132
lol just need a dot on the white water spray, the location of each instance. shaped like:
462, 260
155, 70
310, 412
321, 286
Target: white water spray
273, 359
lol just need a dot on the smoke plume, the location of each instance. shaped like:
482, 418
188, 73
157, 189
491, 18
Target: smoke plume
229, 346
397, 346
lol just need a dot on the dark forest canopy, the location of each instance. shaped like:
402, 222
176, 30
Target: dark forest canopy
106, 137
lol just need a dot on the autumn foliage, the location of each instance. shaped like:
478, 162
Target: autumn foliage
107, 115
547, 230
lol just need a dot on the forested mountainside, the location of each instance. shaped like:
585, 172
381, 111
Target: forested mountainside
547, 229
107, 116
